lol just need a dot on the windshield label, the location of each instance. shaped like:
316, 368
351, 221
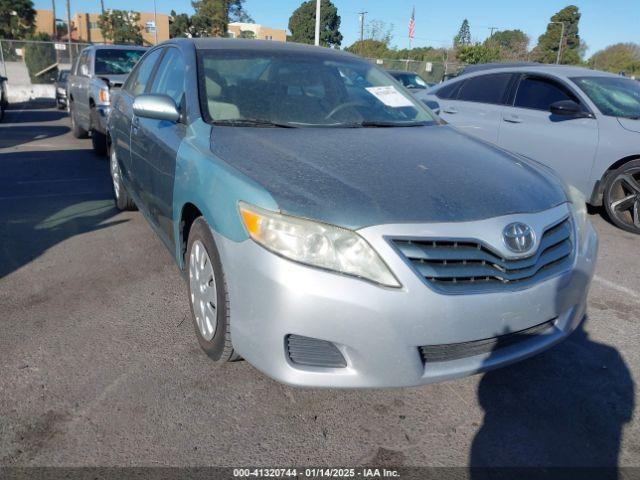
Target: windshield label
390, 96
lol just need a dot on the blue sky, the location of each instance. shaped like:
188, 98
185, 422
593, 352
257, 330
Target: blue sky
603, 21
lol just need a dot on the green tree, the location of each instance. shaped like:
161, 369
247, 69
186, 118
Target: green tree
214, 15
464, 35
302, 24
513, 44
40, 59
478, 53
621, 57
370, 48
547, 49
247, 34
120, 26
17, 19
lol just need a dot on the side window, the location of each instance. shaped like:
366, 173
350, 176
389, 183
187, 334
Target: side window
540, 93
137, 81
83, 65
169, 78
449, 91
486, 88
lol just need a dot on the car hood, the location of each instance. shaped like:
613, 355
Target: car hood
630, 124
369, 176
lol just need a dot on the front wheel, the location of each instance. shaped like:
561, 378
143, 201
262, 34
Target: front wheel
208, 296
76, 129
622, 196
120, 195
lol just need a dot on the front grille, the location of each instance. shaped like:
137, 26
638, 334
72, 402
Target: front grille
313, 352
464, 266
455, 351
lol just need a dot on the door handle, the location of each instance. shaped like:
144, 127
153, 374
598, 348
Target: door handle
450, 110
512, 119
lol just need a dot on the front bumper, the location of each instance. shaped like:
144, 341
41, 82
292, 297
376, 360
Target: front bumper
379, 330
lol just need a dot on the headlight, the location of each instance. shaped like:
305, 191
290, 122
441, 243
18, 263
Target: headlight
316, 244
61, 91
578, 208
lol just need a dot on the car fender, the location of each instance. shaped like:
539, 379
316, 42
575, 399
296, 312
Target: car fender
213, 186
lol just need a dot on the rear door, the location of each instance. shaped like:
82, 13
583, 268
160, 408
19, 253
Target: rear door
156, 144
122, 114
566, 144
477, 107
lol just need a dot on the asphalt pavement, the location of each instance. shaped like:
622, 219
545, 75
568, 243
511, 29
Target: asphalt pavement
99, 364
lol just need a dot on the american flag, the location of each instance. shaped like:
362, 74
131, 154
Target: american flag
412, 23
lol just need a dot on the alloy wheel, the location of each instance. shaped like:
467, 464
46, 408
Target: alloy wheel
203, 290
625, 198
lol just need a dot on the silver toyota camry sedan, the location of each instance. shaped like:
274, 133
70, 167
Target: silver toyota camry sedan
331, 229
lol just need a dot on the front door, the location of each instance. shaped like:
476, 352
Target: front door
157, 143
566, 144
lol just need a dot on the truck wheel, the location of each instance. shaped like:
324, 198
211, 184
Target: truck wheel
76, 129
208, 295
622, 196
120, 195
98, 139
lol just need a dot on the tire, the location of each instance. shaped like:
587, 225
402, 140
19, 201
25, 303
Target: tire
217, 346
99, 143
122, 199
76, 129
622, 196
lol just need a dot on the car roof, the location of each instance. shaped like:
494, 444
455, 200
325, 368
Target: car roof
564, 71
262, 45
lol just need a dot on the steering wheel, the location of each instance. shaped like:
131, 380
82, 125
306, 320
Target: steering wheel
342, 106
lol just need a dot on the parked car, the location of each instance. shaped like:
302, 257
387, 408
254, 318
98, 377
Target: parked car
61, 89
96, 73
412, 81
583, 123
4, 103
332, 230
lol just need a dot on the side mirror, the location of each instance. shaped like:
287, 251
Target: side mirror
158, 107
433, 106
568, 108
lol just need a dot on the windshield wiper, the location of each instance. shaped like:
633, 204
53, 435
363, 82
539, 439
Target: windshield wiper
252, 122
631, 117
374, 124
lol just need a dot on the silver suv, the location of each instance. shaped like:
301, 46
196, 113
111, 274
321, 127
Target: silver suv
582, 123
97, 71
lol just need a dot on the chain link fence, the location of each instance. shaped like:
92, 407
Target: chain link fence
431, 72
31, 66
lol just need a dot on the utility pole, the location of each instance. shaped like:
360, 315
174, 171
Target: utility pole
69, 29
102, 6
317, 39
561, 40
55, 28
155, 22
492, 29
362, 14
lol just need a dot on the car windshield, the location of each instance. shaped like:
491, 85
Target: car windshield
614, 96
410, 80
116, 61
294, 89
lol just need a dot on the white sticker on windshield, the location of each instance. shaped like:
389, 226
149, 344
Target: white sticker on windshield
390, 96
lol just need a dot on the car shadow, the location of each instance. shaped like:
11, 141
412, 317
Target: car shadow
35, 116
565, 408
47, 197
11, 136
